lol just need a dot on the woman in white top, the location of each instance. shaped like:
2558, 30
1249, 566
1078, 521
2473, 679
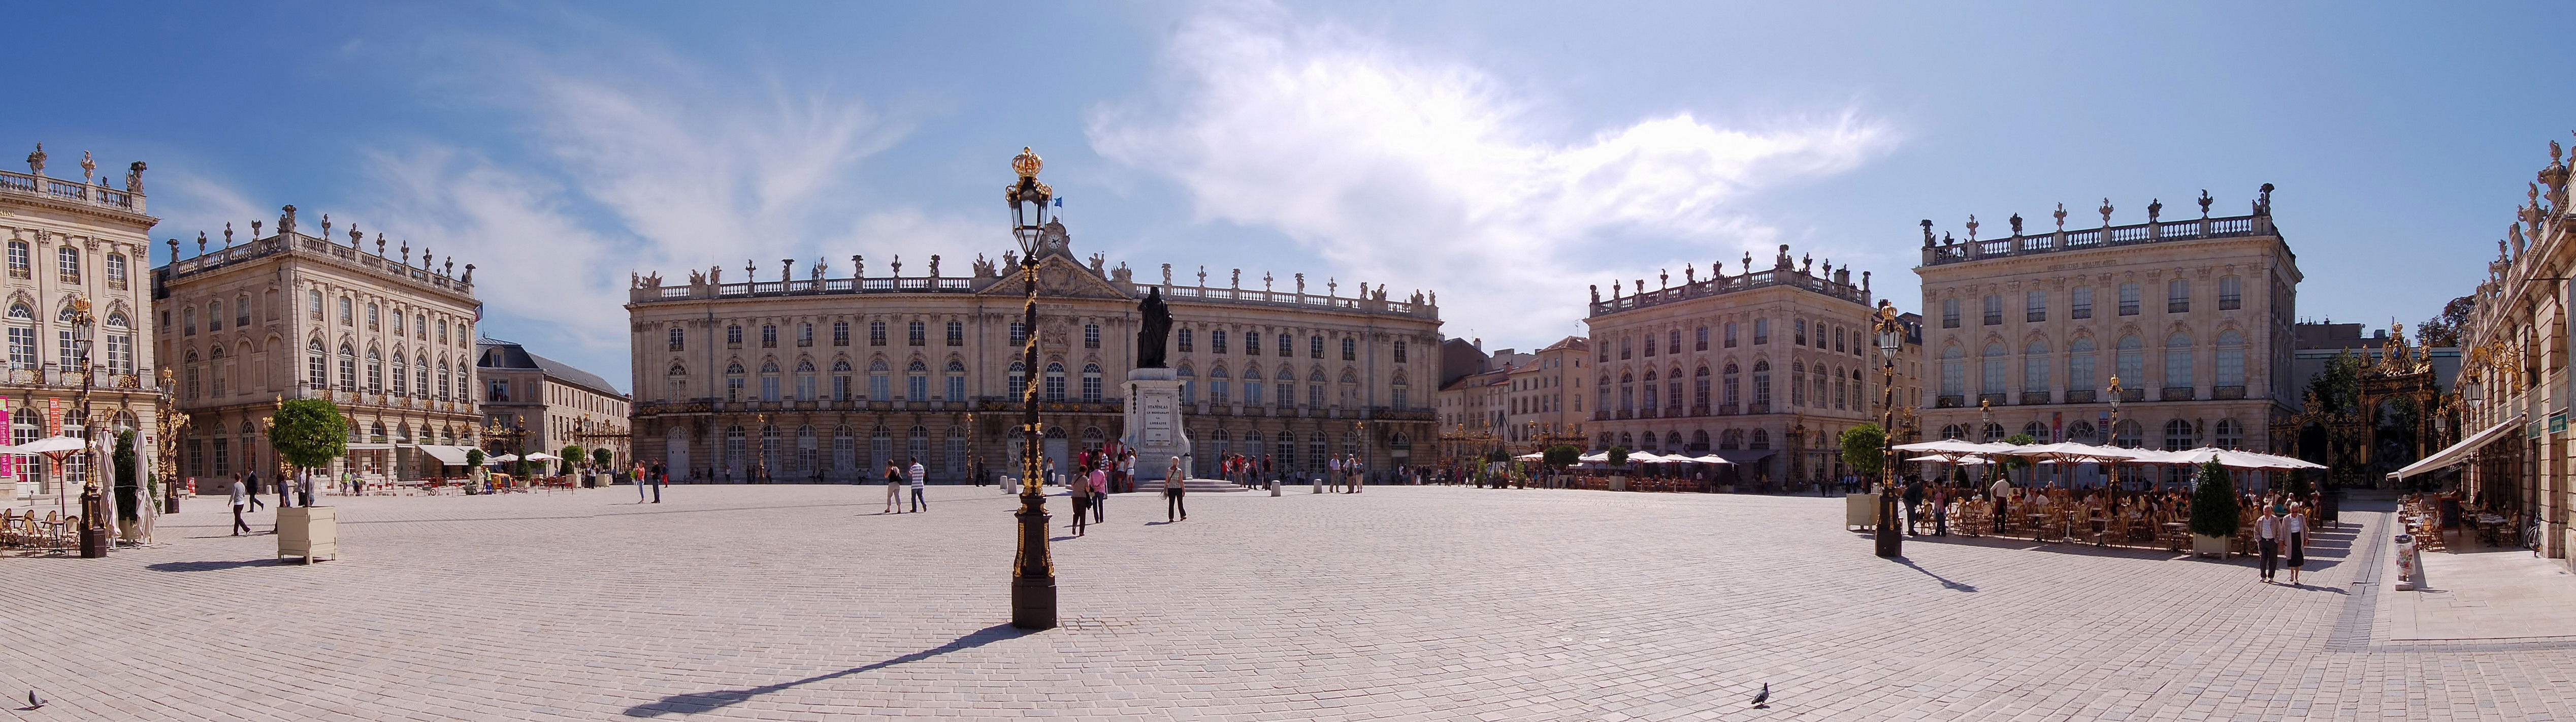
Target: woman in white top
2297, 523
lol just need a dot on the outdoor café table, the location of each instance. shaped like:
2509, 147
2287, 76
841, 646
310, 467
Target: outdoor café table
2039, 527
2490, 527
2174, 534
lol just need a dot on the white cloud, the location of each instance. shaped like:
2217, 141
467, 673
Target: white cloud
652, 165
192, 203
1395, 166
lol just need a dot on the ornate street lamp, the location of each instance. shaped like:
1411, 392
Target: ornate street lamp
1033, 570
93, 531
2111, 434
1891, 338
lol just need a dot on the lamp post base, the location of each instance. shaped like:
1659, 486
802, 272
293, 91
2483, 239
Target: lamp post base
1891, 544
1033, 583
93, 543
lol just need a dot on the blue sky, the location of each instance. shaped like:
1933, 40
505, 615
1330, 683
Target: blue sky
1504, 155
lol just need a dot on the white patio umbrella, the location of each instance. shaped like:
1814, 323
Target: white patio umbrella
1711, 459
505, 457
49, 445
543, 456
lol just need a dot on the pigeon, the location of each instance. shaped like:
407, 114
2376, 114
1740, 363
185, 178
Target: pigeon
33, 701
1763, 700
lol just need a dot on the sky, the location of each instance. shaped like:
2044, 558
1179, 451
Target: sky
1503, 155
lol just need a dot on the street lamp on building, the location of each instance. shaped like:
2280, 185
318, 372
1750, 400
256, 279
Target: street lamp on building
1033, 570
1891, 338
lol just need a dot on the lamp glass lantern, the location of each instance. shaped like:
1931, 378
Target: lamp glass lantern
1029, 200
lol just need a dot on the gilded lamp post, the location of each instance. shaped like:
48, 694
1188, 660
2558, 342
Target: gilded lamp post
1891, 338
1032, 570
93, 531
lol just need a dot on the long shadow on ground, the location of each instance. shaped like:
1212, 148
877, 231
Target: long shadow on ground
696, 702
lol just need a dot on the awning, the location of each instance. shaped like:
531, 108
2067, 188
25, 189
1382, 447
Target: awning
1743, 456
446, 455
2460, 451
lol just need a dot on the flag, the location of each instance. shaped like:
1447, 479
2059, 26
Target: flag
1059, 201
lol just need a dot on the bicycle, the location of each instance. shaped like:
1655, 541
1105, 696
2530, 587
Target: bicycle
2531, 537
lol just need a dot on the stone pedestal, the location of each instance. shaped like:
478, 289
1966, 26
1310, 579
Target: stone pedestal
1154, 424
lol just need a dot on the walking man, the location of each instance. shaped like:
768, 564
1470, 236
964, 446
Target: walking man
1173, 484
660, 475
239, 501
2267, 534
917, 473
253, 486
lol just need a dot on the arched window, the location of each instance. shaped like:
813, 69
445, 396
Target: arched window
956, 382
420, 375
1189, 384
2079, 366
402, 374
733, 452
2037, 430
880, 381
120, 344
770, 385
2130, 361
1019, 381
2082, 431
2034, 366
348, 368
916, 381
2178, 361
1220, 385
444, 380
675, 381
842, 389
375, 372
1954, 432
2231, 361
1761, 439
1732, 389
806, 379
1797, 383
1954, 374
2230, 435
317, 365
1055, 382
1990, 369
2180, 436
1650, 397
1091, 384
1699, 390
1762, 388
1992, 432
1627, 391
2128, 433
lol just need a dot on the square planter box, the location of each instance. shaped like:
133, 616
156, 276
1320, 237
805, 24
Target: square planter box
2209, 546
311, 532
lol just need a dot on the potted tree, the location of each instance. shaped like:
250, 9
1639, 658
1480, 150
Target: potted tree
1618, 463
308, 434
2213, 511
474, 471
1865, 452
1557, 457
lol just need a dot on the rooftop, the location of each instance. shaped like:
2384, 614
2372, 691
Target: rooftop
498, 354
1833, 283
92, 191
292, 243
1945, 251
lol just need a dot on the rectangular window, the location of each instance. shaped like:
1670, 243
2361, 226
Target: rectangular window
1399, 352
1288, 347
1730, 334
917, 334
2231, 293
1216, 341
1091, 338
1182, 336
1702, 343
733, 389
1350, 349
1799, 326
956, 333
678, 339
1315, 347
1761, 331
116, 271
840, 333
1994, 310
769, 388
2129, 299
19, 260
804, 334
2079, 303
840, 388
2034, 307
877, 333
1949, 313
68, 262
2177, 296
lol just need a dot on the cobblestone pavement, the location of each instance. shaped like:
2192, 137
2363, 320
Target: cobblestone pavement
805, 603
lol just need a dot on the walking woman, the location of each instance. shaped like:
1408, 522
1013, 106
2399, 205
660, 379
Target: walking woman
894, 488
2297, 523
1098, 489
1174, 482
1080, 494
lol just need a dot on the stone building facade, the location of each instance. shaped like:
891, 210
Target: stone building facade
550, 403
1766, 368
246, 326
2514, 378
822, 378
2193, 316
74, 243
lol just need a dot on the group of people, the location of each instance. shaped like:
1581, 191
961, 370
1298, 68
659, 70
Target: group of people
654, 476
897, 478
245, 496
2279, 522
